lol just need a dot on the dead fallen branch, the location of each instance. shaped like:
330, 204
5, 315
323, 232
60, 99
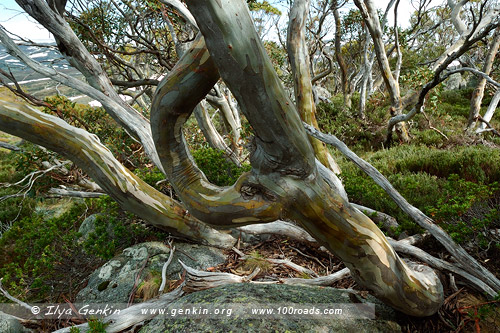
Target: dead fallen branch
322, 281
60, 192
281, 228
414, 251
9, 146
284, 262
460, 255
388, 222
132, 315
164, 269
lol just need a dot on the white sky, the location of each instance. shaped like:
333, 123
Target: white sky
12, 18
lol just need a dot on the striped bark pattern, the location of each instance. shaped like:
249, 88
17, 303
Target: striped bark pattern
284, 182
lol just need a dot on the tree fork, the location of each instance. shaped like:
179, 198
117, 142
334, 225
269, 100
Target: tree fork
283, 164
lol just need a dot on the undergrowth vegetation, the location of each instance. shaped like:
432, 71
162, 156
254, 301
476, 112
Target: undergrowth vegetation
449, 177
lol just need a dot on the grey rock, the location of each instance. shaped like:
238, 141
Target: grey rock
114, 281
11, 326
323, 94
53, 208
88, 226
455, 81
269, 295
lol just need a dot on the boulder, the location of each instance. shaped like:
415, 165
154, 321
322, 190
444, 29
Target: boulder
273, 295
323, 94
455, 81
8, 325
88, 226
114, 281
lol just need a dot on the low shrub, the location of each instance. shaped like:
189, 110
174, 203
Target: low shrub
217, 169
426, 178
35, 252
115, 229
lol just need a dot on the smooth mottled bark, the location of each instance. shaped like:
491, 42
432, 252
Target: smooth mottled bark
177, 95
477, 95
490, 111
284, 183
367, 73
300, 63
128, 190
284, 173
456, 8
460, 255
369, 12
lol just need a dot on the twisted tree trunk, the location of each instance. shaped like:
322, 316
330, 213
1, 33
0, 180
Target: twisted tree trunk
284, 181
128, 190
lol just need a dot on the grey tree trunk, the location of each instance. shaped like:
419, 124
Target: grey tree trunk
79, 57
300, 63
478, 94
490, 111
369, 12
340, 59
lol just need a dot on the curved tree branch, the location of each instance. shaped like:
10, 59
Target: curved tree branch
129, 191
465, 260
177, 95
79, 57
283, 164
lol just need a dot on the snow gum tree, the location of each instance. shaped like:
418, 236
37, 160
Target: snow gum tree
285, 181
